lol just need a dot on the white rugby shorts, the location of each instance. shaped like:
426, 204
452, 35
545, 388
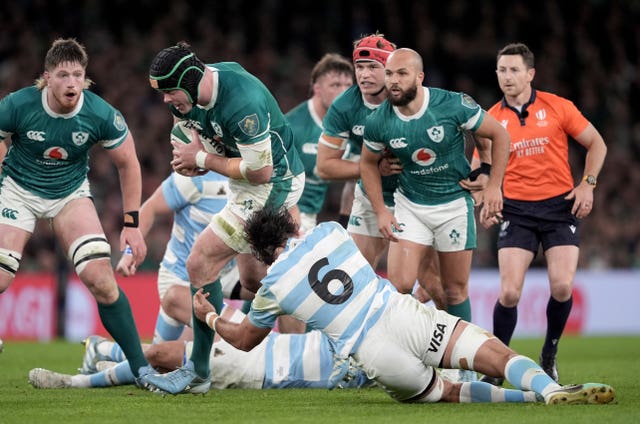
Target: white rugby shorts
448, 227
363, 219
402, 350
20, 208
244, 199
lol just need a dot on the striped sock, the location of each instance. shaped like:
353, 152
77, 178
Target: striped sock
478, 391
110, 351
167, 328
114, 376
524, 374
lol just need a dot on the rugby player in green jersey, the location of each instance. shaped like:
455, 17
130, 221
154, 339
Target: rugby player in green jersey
51, 127
248, 140
330, 76
424, 128
339, 154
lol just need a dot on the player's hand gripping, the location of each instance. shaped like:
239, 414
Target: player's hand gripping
184, 155
201, 306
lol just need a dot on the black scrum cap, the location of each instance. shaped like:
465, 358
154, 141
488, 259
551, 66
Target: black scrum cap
177, 68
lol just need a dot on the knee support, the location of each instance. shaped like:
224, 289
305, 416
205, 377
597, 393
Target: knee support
467, 345
88, 248
10, 261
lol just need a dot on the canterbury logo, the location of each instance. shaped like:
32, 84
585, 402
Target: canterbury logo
9, 213
35, 135
398, 143
310, 148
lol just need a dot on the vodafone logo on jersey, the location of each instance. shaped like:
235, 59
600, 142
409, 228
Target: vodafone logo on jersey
424, 156
57, 153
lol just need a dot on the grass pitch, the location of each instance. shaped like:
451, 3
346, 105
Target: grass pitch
612, 360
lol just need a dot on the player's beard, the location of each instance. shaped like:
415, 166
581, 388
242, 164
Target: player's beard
405, 98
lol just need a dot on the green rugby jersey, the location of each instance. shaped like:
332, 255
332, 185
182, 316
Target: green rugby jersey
345, 119
429, 144
244, 112
307, 127
49, 153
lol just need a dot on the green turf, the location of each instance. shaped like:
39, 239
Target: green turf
612, 360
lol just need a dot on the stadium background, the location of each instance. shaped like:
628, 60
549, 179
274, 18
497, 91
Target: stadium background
588, 51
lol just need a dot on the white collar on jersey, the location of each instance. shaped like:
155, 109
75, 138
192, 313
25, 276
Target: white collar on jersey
420, 112
50, 112
214, 88
313, 113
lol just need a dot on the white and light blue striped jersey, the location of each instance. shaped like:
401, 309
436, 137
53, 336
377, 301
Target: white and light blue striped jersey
194, 201
297, 360
323, 280
280, 361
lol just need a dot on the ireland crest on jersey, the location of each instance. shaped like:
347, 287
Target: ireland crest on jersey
250, 125
79, 137
436, 133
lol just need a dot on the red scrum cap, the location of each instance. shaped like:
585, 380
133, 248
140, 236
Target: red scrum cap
373, 48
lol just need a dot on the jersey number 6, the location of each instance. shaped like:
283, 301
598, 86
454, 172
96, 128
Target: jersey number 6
321, 288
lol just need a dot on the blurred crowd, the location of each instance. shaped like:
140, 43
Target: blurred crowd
587, 51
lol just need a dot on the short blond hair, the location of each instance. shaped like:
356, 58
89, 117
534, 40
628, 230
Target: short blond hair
64, 50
